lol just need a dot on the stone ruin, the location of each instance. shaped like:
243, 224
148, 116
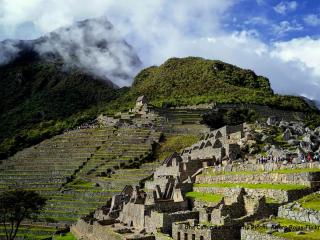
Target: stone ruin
162, 207
139, 116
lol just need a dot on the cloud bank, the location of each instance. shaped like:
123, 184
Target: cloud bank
160, 29
95, 46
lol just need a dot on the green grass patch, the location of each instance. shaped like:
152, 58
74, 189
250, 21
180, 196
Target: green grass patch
68, 236
174, 144
80, 183
311, 201
163, 236
273, 186
312, 231
205, 197
271, 201
302, 170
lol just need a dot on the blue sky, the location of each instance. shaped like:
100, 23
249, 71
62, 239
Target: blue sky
276, 38
275, 20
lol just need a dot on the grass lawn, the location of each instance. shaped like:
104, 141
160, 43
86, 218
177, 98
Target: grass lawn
163, 236
206, 197
294, 226
311, 231
174, 144
254, 186
68, 236
302, 170
30, 236
311, 201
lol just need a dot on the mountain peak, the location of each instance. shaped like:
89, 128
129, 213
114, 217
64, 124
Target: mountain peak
92, 45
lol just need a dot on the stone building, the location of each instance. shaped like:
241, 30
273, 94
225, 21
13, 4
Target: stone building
218, 144
162, 205
223, 220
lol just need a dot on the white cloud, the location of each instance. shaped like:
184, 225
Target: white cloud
8, 52
312, 20
160, 29
284, 7
284, 27
77, 45
305, 51
257, 21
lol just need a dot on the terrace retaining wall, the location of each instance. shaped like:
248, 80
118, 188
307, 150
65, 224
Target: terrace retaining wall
295, 211
247, 234
280, 196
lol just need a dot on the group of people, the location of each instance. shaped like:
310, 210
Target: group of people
310, 157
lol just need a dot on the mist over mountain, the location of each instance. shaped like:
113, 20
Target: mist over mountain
59, 80
93, 46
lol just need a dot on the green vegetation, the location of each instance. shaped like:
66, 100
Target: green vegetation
220, 118
17, 206
277, 138
302, 170
194, 80
311, 201
206, 197
312, 120
80, 183
163, 236
172, 144
311, 231
273, 186
67, 236
271, 201
41, 99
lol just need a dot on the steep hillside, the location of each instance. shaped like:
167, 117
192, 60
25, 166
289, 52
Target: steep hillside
193, 80
47, 85
37, 97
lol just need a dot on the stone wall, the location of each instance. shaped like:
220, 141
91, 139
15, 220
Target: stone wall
265, 111
309, 179
295, 211
133, 215
247, 234
280, 196
183, 231
195, 107
260, 167
81, 229
164, 221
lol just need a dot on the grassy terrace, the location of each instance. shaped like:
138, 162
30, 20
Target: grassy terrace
32, 232
30, 236
285, 187
311, 201
67, 236
311, 231
46, 166
174, 144
205, 197
280, 171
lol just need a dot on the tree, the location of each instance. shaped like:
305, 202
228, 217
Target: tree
16, 206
